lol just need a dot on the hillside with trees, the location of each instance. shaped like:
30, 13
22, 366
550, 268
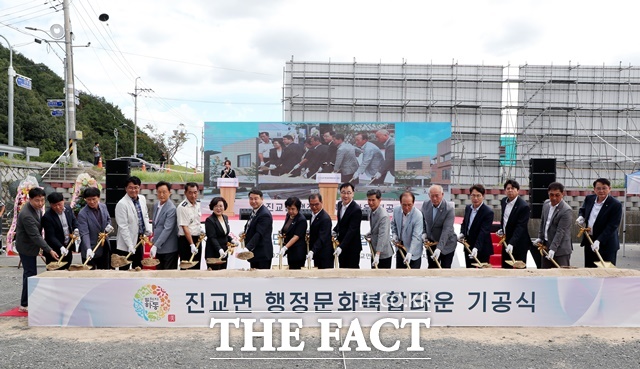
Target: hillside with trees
95, 117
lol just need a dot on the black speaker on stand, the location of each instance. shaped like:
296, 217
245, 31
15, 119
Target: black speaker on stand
117, 172
542, 172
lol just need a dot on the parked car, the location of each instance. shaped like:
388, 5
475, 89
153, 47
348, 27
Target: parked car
136, 163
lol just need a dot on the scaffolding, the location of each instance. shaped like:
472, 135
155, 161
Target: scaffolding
584, 117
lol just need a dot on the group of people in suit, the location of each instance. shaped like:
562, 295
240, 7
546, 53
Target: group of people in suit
329, 153
179, 234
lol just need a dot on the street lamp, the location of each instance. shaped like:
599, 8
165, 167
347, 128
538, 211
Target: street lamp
12, 74
196, 137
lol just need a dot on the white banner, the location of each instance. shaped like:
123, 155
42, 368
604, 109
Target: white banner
146, 299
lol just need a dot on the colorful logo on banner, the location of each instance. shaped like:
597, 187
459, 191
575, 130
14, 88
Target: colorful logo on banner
151, 302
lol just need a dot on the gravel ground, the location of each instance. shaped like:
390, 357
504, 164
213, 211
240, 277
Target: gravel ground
22, 346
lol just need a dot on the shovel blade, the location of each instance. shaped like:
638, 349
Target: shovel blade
76, 267
187, 264
150, 262
604, 264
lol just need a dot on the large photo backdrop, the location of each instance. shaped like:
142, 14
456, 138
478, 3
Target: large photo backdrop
283, 159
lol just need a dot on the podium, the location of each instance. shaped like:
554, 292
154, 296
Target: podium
328, 185
228, 188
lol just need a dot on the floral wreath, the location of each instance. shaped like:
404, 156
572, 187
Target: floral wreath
83, 182
22, 197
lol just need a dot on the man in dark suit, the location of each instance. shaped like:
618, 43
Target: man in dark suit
29, 240
320, 246
514, 225
438, 226
93, 219
602, 213
476, 227
317, 155
347, 231
258, 232
555, 227
332, 148
165, 229
291, 154
59, 224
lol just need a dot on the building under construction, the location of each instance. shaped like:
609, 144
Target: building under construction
583, 116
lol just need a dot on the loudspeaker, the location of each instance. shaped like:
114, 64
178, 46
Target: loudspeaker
112, 196
542, 166
541, 180
245, 214
538, 195
116, 181
365, 214
117, 167
536, 211
307, 213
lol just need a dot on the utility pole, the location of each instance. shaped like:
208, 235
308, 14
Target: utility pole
12, 74
135, 115
70, 92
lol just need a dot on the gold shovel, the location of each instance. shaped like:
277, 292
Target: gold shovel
244, 255
149, 262
402, 250
190, 264
371, 248
336, 262
427, 245
118, 261
55, 265
543, 250
477, 263
601, 263
221, 260
517, 264
281, 241
76, 267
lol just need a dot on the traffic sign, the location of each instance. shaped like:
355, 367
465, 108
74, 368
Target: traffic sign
24, 82
57, 112
54, 103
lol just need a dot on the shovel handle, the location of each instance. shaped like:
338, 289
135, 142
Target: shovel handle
371, 249
103, 237
400, 248
431, 252
552, 260
466, 246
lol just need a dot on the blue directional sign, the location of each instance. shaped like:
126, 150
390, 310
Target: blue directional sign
52, 103
57, 113
24, 82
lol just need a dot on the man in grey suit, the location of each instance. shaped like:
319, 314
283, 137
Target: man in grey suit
29, 240
380, 231
555, 227
93, 219
389, 143
346, 162
165, 229
406, 228
372, 158
438, 227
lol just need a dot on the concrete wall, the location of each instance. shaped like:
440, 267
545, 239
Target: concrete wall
148, 190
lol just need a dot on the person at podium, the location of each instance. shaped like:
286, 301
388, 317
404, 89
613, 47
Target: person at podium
227, 172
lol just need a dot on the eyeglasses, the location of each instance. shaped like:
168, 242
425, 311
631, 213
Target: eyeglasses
476, 195
133, 188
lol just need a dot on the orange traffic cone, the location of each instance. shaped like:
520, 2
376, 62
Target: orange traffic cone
144, 167
100, 162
